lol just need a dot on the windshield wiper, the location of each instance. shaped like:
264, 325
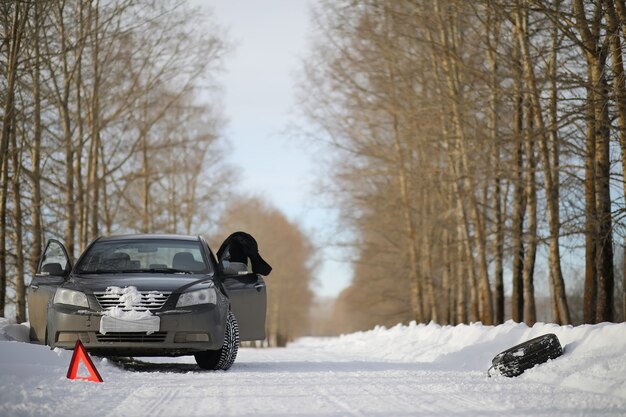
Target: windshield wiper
101, 271
130, 271
163, 271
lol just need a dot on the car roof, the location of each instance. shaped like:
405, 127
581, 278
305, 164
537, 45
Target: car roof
151, 236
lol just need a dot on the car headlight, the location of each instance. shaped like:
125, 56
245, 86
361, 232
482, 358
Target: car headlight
71, 297
205, 296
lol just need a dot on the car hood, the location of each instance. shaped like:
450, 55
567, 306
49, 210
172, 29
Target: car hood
143, 282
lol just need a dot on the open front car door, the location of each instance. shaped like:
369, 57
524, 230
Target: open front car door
54, 267
242, 269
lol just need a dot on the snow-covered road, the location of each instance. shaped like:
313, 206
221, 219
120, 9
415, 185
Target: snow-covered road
403, 371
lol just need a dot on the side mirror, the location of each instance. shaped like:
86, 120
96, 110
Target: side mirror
54, 269
234, 268
54, 262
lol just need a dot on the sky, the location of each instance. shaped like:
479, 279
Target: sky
269, 40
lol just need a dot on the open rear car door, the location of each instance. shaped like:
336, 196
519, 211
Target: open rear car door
242, 271
54, 267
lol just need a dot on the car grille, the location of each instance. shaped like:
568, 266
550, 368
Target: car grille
150, 300
134, 337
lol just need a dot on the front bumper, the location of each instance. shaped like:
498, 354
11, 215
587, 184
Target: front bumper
181, 332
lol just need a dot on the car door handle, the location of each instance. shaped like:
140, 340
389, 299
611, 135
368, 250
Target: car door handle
34, 287
259, 287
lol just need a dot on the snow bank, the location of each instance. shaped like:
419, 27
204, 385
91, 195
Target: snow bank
16, 332
20, 359
594, 356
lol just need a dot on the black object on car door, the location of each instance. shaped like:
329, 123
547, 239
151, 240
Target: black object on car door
54, 267
242, 269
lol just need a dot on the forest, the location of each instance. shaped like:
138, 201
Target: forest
478, 157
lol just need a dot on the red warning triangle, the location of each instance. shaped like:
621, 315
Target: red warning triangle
80, 354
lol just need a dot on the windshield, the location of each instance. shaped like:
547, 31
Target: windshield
157, 256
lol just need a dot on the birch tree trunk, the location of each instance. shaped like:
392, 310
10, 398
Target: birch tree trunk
552, 197
451, 72
519, 203
4, 188
63, 88
591, 224
492, 37
554, 149
13, 26
530, 311
597, 99
20, 290
616, 34
416, 286
94, 154
35, 147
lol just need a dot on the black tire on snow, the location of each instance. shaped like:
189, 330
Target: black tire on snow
222, 359
514, 361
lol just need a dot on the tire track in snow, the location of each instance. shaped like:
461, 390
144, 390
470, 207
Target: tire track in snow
334, 398
435, 392
148, 400
363, 387
289, 382
401, 393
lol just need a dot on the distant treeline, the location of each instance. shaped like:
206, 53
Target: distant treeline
292, 256
471, 137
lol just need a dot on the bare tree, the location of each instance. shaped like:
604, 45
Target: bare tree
599, 129
73, 76
444, 114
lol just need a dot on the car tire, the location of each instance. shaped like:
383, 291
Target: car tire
223, 358
514, 361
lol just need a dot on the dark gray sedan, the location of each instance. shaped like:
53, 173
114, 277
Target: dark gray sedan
152, 295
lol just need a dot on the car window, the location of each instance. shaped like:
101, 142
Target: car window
164, 256
54, 257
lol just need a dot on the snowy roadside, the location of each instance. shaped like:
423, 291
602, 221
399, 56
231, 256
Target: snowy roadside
404, 370
594, 355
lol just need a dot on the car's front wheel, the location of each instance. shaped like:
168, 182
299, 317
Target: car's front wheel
223, 358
